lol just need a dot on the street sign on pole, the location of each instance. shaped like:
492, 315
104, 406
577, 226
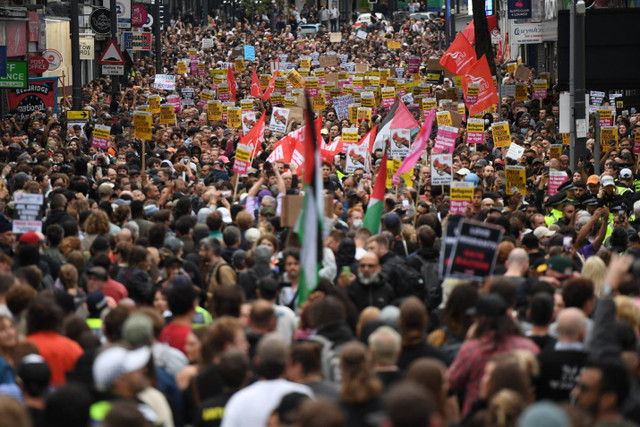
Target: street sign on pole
112, 55
136, 41
112, 70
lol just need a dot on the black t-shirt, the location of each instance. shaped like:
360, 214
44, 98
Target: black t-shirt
211, 411
205, 386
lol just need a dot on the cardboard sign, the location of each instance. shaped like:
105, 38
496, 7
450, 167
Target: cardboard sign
445, 140
460, 195
521, 92
142, 125
516, 179
291, 206
357, 158
475, 250
335, 38
475, 131
167, 114
522, 72
556, 178
441, 169
279, 120
101, 136
501, 134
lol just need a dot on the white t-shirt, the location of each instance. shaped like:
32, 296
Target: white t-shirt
286, 322
253, 405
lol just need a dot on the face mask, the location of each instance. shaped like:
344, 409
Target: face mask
357, 223
524, 131
367, 280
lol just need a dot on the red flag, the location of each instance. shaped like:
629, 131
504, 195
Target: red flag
459, 57
255, 136
403, 119
481, 75
231, 81
469, 31
270, 87
256, 90
328, 151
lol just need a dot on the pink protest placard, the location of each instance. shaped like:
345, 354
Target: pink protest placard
445, 139
175, 101
555, 179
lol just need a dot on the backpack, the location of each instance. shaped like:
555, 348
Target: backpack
432, 289
330, 357
408, 281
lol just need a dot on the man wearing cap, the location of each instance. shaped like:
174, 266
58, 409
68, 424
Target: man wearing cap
593, 184
556, 202
569, 188
625, 184
608, 194
7, 237
121, 374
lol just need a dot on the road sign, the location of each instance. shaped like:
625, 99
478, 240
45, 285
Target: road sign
37, 65
113, 70
136, 41
112, 55
100, 20
77, 115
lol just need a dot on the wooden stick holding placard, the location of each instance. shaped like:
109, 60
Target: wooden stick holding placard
415, 209
236, 177
143, 171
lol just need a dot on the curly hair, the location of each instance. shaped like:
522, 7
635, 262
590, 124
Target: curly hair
70, 244
97, 223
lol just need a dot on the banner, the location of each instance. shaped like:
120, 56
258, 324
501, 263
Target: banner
519, 9
475, 131
445, 140
142, 125
460, 56
516, 178
501, 134
441, 168
460, 195
41, 93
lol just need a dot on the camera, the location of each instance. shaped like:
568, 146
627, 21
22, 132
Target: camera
185, 161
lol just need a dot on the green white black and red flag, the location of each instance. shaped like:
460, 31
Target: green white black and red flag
373, 216
310, 219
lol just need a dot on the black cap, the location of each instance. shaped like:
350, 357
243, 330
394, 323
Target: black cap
557, 199
567, 186
490, 305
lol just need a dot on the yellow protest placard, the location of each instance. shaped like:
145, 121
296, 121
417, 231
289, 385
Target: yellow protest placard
142, 125
304, 72
521, 92
214, 110
206, 95
516, 179
501, 134
246, 104
428, 103
101, 132
289, 101
167, 114
154, 103
555, 151
234, 117
264, 80
277, 99
144, 108
443, 118
458, 80
350, 135
566, 138
461, 193
392, 44
608, 138
243, 155
202, 68
364, 114
239, 64
295, 79
305, 63
318, 103
182, 67
353, 113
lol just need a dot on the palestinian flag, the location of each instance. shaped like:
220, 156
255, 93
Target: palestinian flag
369, 139
373, 216
309, 224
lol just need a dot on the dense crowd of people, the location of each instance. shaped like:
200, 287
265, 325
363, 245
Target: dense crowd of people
163, 287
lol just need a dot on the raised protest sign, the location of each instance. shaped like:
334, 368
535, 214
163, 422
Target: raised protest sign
501, 134
445, 139
164, 81
101, 136
400, 142
242, 159
441, 169
475, 131
556, 178
357, 158
142, 125
28, 208
461, 194
475, 251
279, 120
516, 179
167, 114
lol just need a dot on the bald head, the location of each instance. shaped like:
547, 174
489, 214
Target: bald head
571, 324
124, 235
369, 265
517, 262
385, 344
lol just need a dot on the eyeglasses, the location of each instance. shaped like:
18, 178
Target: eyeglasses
368, 265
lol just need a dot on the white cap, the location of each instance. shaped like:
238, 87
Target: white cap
463, 171
115, 362
626, 173
607, 180
541, 232
226, 215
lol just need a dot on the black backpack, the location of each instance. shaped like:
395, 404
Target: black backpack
432, 294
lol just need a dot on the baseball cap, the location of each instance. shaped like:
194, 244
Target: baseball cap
542, 232
560, 264
34, 372
173, 243
31, 238
626, 173
226, 215
99, 272
115, 362
391, 220
463, 172
593, 179
137, 330
607, 181
105, 188
481, 163
96, 302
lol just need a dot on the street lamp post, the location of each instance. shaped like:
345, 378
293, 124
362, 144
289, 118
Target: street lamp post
577, 83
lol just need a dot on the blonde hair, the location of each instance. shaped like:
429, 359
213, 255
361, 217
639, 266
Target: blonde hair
504, 409
628, 311
594, 269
